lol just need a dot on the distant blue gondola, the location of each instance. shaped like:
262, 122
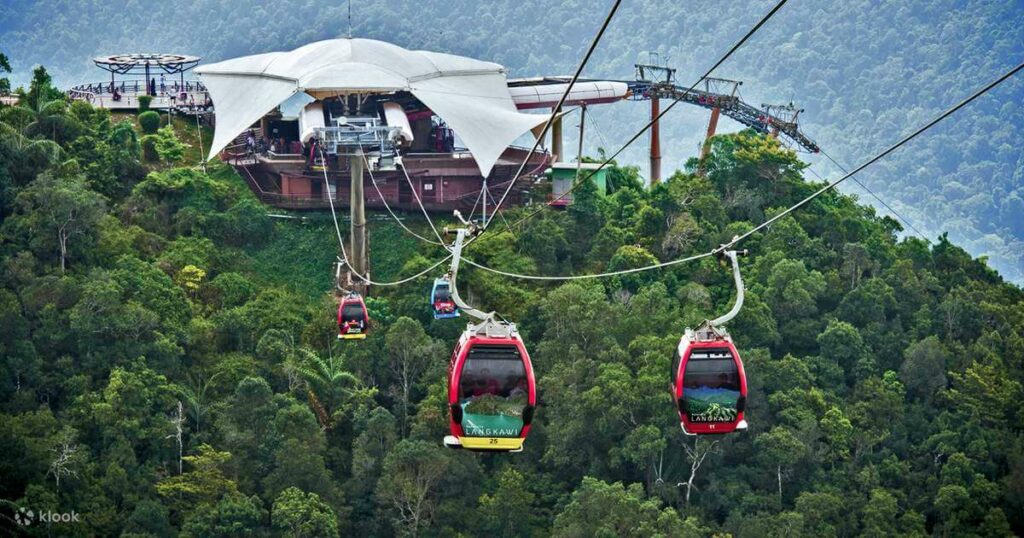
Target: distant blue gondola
441, 300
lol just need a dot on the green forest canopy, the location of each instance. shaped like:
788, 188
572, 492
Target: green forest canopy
170, 367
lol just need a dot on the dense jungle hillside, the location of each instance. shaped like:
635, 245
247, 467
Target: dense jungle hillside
170, 367
865, 72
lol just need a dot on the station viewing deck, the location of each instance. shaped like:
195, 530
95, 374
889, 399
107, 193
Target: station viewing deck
191, 96
160, 76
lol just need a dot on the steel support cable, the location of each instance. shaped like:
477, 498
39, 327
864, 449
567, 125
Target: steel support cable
554, 111
344, 254
643, 130
735, 240
388, 207
585, 277
413, 277
420, 202
334, 215
876, 158
876, 197
475, 204
509, 228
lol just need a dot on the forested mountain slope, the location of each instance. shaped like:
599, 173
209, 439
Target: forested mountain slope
866, 72
170, 367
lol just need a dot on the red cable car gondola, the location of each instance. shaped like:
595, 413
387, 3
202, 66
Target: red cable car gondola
709, 384
353, 319
492, 393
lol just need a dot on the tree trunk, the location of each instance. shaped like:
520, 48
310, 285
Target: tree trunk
63, 249
778, 473
405, 397
689, 483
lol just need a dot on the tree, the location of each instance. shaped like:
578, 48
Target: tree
509, 511
149, 518
683, 233
871, 302
372, 446
838, 433
327, 383
924, 368
294, 454
410, 350
131, 413
879, 515
297, 514
190, 278
856, 261
985, 392
66, 456
40, 89
793, 292
166, 144
407, 485
5, 67
697, 454
601, 509
781, 447
632, 257
205, 483
246, 426
149, 121
825, 514
842, 345
233, 516
58, 209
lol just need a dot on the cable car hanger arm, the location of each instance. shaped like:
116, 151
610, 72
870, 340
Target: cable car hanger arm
722, 320
456, 252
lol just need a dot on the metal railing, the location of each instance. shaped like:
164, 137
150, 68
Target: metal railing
135, 87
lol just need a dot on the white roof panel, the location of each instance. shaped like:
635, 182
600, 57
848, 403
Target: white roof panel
472, 96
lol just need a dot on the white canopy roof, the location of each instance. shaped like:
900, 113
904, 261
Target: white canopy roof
471, 96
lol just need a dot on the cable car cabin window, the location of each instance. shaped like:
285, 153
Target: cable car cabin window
711, 385
441, 294
493, 392
352, 312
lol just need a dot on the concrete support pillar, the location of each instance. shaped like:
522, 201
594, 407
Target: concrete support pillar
655, 142
357, 250
556, 138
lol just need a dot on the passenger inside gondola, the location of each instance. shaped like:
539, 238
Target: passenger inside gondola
352, 317
493, 392
444, 306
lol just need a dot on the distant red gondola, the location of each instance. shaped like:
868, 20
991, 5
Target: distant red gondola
353, 319
492, 393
